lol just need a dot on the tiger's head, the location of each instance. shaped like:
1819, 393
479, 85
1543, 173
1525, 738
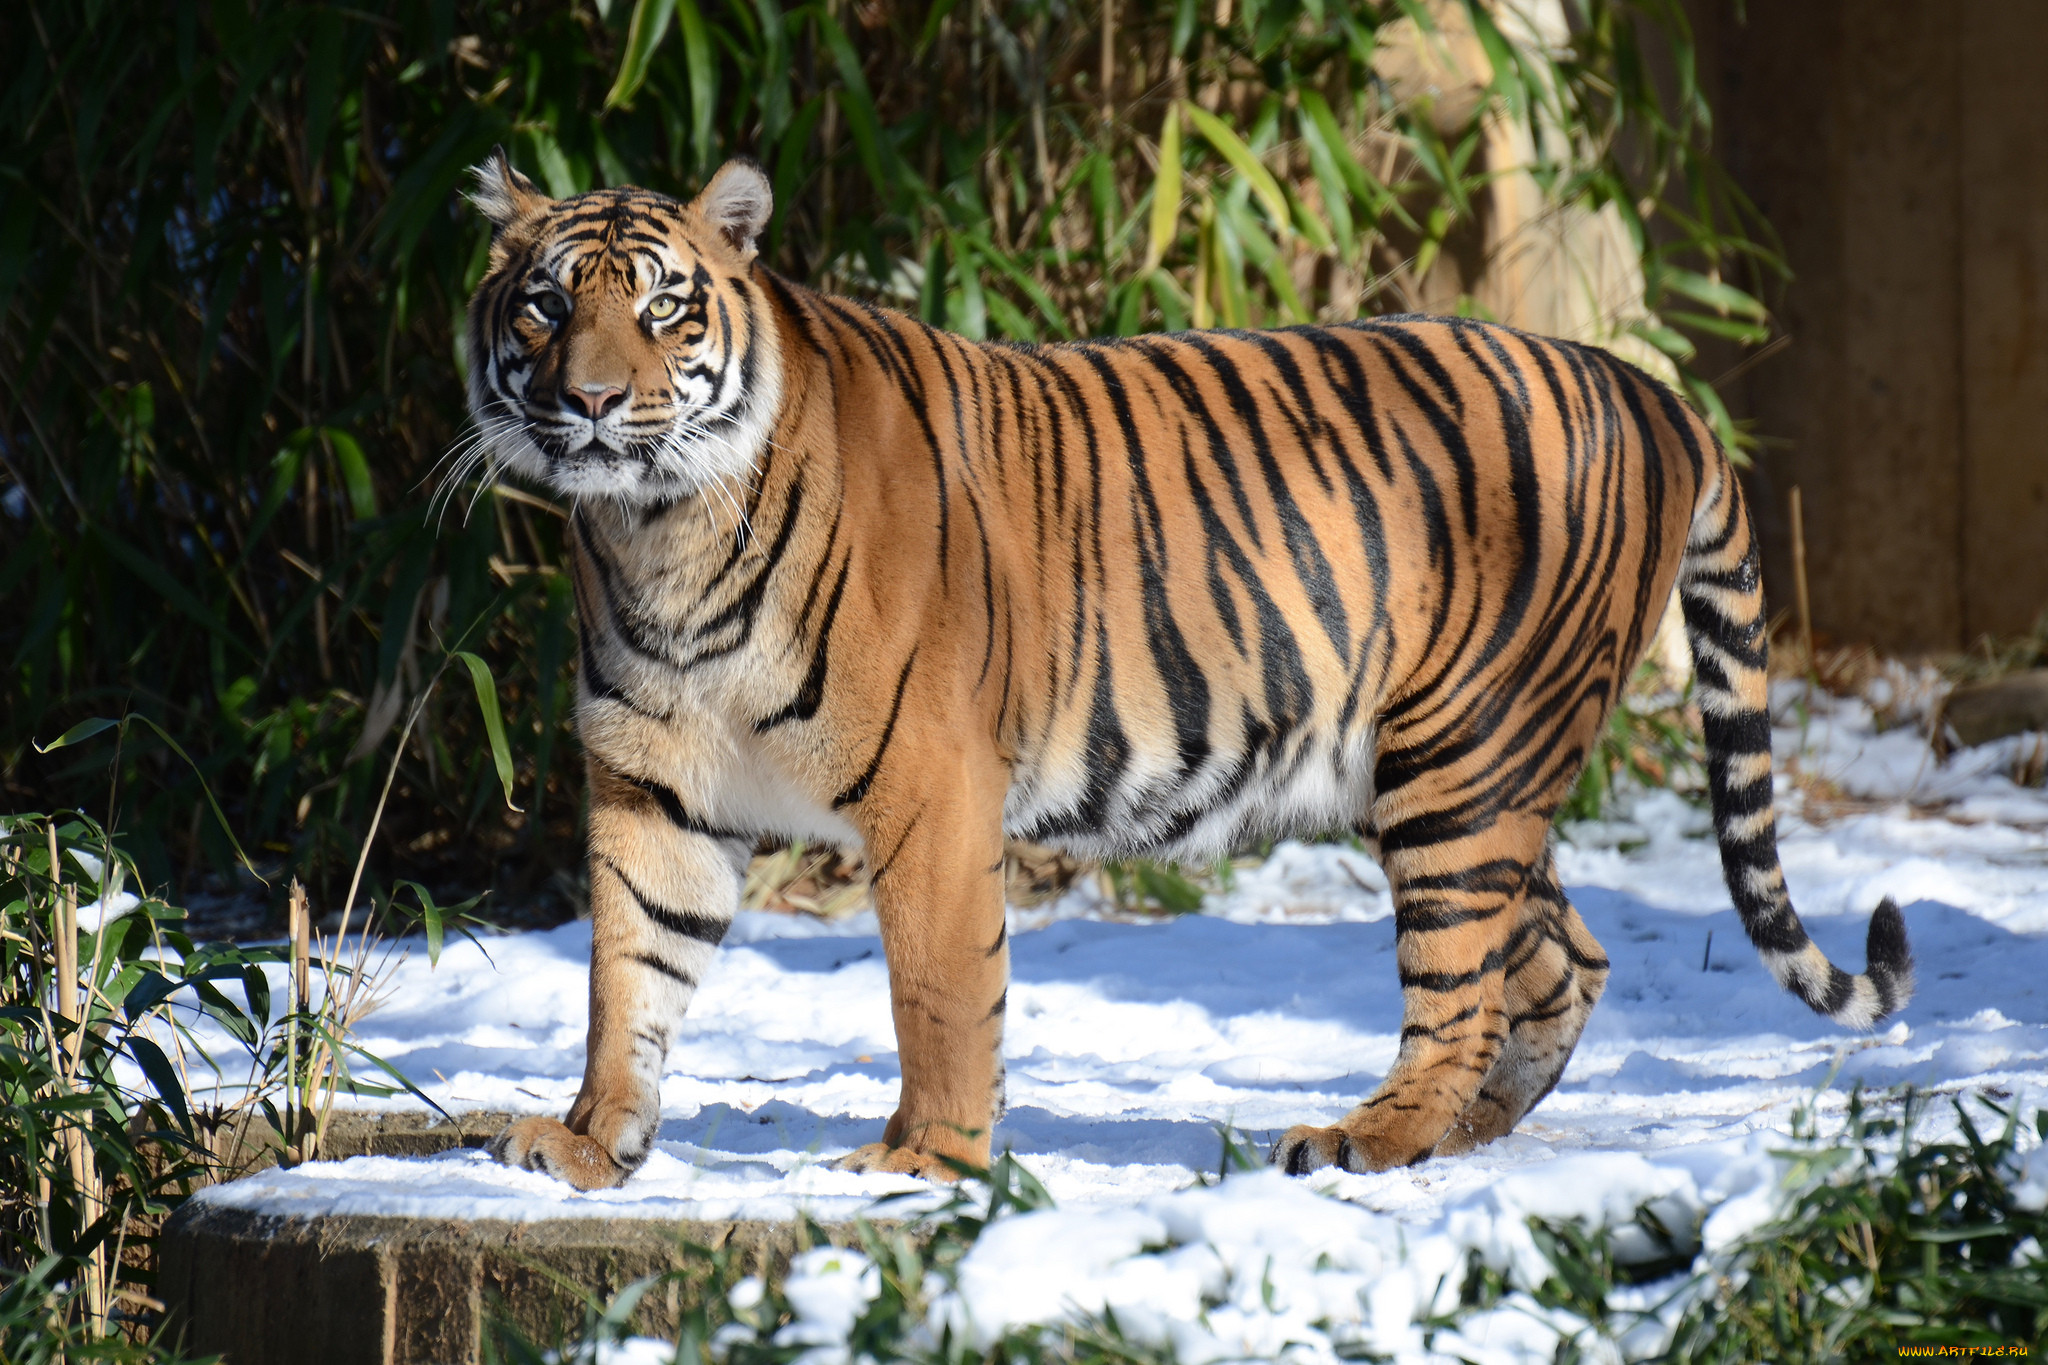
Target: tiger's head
619, 346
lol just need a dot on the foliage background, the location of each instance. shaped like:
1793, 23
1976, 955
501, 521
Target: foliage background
233, 259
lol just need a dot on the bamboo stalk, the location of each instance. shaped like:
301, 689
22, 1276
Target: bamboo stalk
69, 1054
1108, 64
1799, 583
302, 946
301, 932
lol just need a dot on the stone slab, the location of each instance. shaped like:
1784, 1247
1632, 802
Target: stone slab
257, 1288
1980, 712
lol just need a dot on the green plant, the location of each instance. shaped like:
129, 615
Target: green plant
43, 1322
1889, 1241
115, 1103
1145, 885
232, 259
86, 1156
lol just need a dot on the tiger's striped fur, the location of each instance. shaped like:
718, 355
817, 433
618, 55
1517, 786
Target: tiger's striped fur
845, 577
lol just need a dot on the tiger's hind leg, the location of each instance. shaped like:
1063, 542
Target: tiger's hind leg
1553, 982
1459, 884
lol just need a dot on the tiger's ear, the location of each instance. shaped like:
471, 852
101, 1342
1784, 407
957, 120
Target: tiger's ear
502, 194
736, 204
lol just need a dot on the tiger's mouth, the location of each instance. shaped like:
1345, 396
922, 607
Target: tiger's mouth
623, 436
633, 456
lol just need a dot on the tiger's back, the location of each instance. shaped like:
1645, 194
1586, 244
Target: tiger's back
1223, 579
869, 581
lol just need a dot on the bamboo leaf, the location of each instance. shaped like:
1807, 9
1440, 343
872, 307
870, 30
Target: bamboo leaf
494, 723
1507, 78
1263, 254
857, 102
1331, 139
644, 32
355, 472
1713, 293
256, 989
1186, 15
162, 1077
555, 170
1671, 343
702, 66
1750, 333
1172, 302
1233, 149
1165, 193
1308, 222
78, 733
1330, 178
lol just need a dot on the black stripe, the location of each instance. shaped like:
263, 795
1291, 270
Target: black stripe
859, 788
812, 693
678, 815
673, 973
688, 923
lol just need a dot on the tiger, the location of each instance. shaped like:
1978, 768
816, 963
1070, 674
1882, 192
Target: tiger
844, 577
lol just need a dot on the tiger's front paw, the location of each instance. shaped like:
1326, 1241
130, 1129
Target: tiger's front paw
1304, 1148
881, 1157
547, 1146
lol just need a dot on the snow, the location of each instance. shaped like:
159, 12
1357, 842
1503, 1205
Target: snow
1130, 1043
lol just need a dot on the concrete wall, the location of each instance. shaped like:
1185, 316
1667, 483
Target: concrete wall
1901, 149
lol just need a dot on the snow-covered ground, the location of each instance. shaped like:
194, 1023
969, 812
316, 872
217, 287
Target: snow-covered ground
1129, 1044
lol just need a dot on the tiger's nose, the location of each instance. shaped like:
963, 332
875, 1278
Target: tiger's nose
594, 400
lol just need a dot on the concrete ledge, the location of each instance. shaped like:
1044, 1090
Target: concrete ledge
402, 1291
258, 1289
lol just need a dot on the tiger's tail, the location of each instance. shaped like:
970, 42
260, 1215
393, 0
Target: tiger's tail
1721, 593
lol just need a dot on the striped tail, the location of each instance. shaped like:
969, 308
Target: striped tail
1722, 596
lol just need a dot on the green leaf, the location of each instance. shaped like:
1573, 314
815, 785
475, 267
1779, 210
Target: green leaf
555, 170
1732, 328
494, 724
287, 465
699, 60
256, 986
161, 1075
1308, 222
1233, 149
78, 733
223, 1011
355, 472
1671, 343
1173, 305
1165, 887
1165, 193
1268, 259
1713, 293
1709, 402
1331, 140
1507, 78
1336, 196
644, 33
858, 104
430, 921
1186, 14
149, 990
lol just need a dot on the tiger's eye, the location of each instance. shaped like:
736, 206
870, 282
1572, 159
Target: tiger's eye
664, 306
553, 307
